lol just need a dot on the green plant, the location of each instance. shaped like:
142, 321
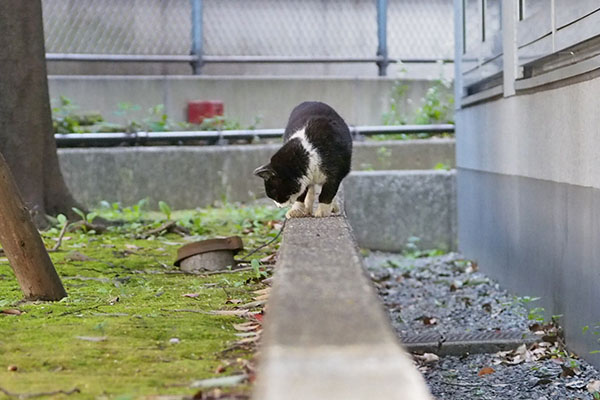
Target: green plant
441, 167
164, 207
384, 156
596, 332
89, 217
67, 119
437, 105
412, 249
395, 115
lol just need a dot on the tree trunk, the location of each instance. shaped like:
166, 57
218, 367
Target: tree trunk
23, 245
26, 134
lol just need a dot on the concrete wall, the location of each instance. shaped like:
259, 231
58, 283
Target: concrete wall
360, 101
529, 198
387, 208
189, 177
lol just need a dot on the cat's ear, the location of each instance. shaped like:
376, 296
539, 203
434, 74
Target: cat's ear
265, 171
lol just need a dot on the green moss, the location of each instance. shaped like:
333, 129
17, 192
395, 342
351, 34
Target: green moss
130, 302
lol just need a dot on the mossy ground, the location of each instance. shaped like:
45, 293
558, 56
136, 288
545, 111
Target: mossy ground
129, 302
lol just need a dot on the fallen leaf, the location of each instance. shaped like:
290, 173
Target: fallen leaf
192, 295
258, 317
246, 326
247, 340
486, 371
593, 386
77, 256
252, 304
92, 338
231, 380
427, 358
133, 247
262, 291
220, 369
428, 320
233, 301
237, 313
12, 368
542, 381
12, 311
567, 371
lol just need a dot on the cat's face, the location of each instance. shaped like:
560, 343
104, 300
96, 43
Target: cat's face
281, 190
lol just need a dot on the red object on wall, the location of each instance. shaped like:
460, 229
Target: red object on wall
198, 110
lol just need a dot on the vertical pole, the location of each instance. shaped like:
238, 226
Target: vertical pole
509, 45
197, 36
459, 50
382, 50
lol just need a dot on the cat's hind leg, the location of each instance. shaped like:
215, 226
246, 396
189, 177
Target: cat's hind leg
327, 199
309, 200
335, 206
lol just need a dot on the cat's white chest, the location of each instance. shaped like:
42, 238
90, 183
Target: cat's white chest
314, 174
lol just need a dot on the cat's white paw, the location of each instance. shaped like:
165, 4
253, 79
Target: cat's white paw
297, 211
335, 206
323, 210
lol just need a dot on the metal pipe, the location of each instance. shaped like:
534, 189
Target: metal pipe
229, 59
108, 139
382, 50
290, 59
197, 38
118, 57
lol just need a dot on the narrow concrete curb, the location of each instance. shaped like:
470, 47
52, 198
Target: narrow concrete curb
326, 336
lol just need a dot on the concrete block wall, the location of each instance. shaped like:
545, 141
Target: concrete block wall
529, 199
388, 208
360, 101
189, 177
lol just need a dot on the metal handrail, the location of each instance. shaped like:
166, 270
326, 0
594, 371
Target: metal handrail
179, 137
171, 58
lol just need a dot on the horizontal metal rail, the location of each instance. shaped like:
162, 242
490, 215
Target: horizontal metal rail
228, 59
140, 138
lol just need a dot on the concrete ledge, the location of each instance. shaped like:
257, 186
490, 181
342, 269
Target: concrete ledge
386, 208
326, 336
189, 177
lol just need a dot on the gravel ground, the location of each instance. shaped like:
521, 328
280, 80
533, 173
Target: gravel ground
447, 294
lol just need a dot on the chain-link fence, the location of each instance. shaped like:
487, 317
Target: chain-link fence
417, 29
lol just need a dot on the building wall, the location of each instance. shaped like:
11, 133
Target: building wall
529, 198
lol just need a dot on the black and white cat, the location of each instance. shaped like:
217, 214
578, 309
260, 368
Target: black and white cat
317, 150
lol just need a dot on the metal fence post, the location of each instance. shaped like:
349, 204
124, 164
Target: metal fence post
197, 36
382, 51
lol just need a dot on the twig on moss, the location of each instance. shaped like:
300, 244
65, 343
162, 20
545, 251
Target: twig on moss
41, 394
61, 235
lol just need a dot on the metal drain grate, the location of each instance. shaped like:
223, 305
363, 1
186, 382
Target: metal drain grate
458, 343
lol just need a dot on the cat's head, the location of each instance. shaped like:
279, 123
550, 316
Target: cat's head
279, 186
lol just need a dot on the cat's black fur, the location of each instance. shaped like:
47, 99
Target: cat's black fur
288, 176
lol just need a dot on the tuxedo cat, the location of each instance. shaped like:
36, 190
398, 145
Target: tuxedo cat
317, 150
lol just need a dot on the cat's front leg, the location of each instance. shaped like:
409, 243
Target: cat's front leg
309, 201
297, 211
